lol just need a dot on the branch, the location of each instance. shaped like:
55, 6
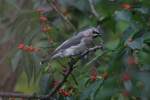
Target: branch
53, 5
20, 95
71, 64
93, 10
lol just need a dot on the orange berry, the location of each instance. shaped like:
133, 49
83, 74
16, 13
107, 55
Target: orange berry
21, 46
126, 6
93, 75
66, 93
31, 49
105, 75
63, 92
126, 77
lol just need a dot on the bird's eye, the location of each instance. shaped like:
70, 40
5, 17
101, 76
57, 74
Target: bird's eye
96, 33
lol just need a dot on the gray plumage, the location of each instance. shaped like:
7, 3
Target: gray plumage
76, 44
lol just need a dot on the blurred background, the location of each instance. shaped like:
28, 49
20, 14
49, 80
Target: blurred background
31, 29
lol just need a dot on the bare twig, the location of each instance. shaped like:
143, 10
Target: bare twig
52, 4
93, 10
20, 95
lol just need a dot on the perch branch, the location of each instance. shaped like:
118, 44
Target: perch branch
71, 67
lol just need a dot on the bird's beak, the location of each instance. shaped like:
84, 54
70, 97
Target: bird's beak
100, 30
99, 34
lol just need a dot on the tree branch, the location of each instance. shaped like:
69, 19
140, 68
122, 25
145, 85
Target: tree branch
93, 10
20, 95
52, 4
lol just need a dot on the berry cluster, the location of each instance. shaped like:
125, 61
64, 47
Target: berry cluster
63, 92
126, 77
23, 47
126, 6
93, 75
44, 21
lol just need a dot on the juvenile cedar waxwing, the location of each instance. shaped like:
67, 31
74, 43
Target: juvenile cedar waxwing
76, 45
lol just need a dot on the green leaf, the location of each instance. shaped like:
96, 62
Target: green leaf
16, 59
122, 15
90, 90
44, 83
28, 66
121, 26
136, 44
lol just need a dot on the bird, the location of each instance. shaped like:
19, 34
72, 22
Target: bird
76, 44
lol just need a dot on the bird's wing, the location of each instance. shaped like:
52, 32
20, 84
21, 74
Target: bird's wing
70, 42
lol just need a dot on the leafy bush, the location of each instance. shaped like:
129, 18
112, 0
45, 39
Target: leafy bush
120, 71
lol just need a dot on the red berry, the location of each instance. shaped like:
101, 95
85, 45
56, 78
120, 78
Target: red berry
55, 83
125, 93
63, 92
126, 77
93, 75
126, 6
131, 60
66, 94
21, 46
30, 49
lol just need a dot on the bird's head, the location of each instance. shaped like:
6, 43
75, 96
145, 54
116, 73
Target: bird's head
94, 32
97, 31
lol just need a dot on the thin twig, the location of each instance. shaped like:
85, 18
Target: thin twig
93, 10
20, 95
52, 4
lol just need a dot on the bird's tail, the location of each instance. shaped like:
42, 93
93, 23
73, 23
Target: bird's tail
44, 61
50, 57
